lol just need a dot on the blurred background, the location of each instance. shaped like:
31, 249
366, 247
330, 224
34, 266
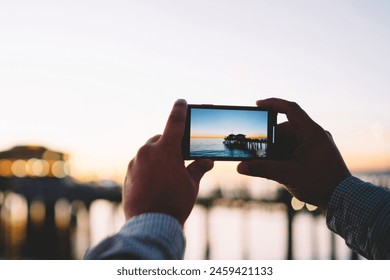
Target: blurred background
83, 84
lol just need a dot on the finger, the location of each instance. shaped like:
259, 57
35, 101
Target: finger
280, 171
296, 115
154, 139
284, 130
174, 129
285, 134
198, 168
129, 167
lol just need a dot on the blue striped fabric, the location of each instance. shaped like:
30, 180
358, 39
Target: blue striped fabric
360, 213
150, 236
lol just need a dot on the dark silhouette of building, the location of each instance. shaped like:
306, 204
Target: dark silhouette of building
240, 141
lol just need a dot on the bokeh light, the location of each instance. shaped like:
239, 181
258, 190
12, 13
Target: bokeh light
37, 212
19, 168
5, 168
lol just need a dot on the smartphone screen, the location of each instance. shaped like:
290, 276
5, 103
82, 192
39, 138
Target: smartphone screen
228, 132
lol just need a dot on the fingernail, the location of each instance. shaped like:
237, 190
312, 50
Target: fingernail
180, 101
210, 164
242, 168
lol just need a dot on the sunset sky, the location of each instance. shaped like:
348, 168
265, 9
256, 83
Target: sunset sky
212, 123
96, 79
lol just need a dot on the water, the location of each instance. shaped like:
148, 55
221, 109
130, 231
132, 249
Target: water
239, 230
258, 233
214, 147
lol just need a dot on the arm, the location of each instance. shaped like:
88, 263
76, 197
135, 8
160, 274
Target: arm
360, 213
148, 236
157, 181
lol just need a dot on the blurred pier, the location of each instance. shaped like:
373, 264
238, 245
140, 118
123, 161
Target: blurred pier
46, 214
42, 208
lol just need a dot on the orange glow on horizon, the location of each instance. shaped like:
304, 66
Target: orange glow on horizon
367, 163
223, 136
207, 136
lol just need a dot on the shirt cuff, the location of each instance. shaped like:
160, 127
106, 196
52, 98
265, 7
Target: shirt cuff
147, 236
360, 212
336, 208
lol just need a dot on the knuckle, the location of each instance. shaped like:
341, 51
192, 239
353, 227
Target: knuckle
294, 107
144, 149
329, 134
130, 165
323, 135
153, 139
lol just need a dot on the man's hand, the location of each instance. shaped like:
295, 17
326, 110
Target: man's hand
311, 166
157, 179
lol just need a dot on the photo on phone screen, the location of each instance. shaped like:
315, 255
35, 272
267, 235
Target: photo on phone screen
228, 132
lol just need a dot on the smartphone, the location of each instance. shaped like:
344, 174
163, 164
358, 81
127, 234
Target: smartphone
228, 133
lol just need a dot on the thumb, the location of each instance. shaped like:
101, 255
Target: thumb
278, 171
198, 168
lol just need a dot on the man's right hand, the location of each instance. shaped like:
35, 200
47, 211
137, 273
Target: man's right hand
311, 166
